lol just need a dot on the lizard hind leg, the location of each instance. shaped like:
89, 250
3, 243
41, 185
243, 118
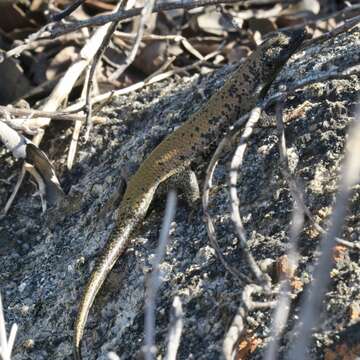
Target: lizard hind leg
186, 182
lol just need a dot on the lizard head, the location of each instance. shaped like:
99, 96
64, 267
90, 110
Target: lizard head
278, 48
274, 52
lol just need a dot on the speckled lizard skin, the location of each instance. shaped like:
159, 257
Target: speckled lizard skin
237, 96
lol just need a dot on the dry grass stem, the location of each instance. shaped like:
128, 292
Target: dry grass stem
90, 76
175, 331
61, 91
6, 345
146, 12
282, 308
154, 281
311, 306
234, 333
224, 144
33, 114
141, 84
236, 163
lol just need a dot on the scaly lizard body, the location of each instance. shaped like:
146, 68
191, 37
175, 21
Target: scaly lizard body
236, 97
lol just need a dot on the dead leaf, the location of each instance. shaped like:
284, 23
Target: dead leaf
263, 26
247, 346
205, 45
354, 311
13, 82
340, 253
151, 57
40, 161
213, 22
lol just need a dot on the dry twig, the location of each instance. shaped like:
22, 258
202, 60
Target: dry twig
282, 308
67, 11
61, 91
6, 345
54, 115
234, 333
58, 30
235, 201
224, 144
141, 84
310, 308
238, 325
154, 280
89, 83
176, 326
55, 30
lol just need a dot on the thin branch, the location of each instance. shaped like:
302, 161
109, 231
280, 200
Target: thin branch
224, 144
40, 182
310, 308
61, 91
249, 293
348, 23
141, 84
89, 84
77, 128
236, 163
54, 115
12, 197
155, 281
234, 333
282, 309
238, 325
35, 44
6, 345
145, 16
67, 11
55, 30
176, 326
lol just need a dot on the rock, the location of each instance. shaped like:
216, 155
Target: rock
49, 275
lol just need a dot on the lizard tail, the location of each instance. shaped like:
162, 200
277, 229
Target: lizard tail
114, 248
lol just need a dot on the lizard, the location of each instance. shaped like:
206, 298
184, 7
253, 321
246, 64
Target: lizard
173, 156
